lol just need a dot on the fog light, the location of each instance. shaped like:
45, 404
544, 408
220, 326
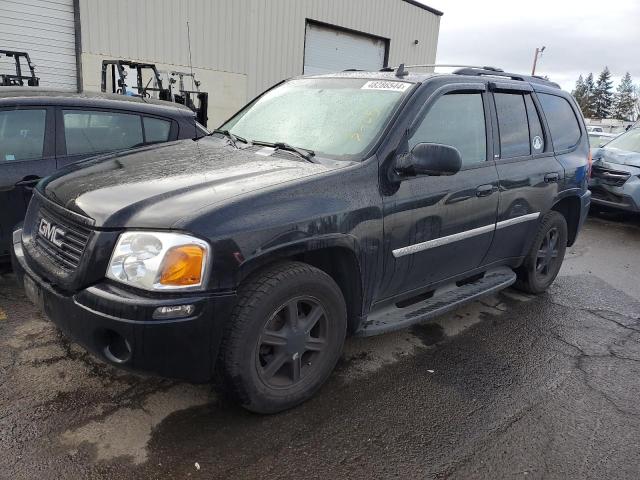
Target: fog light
173, 311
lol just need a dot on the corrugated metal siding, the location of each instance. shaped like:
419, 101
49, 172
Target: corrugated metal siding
45, 30
263, 39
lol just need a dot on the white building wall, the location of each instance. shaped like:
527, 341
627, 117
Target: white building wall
244, 45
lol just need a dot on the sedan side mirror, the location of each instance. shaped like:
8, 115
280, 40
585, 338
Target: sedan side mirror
431, 159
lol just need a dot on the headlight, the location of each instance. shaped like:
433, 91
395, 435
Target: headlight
159, 261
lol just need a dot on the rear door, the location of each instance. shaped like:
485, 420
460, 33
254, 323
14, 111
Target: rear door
527, 168
84, 133
27, 153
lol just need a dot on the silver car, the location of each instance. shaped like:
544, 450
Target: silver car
615, 176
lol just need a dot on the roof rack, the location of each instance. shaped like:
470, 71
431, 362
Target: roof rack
473, 70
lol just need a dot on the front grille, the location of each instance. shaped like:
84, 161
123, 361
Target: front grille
610, 176
61, 239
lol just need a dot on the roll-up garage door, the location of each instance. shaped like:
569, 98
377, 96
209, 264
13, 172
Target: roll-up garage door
45, 30
328, 49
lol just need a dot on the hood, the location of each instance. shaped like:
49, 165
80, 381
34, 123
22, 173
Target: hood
614, 155
158, 186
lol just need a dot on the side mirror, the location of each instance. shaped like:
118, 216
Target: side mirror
431, 159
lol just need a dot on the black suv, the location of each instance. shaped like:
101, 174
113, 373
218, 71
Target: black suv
41, 131
354, 203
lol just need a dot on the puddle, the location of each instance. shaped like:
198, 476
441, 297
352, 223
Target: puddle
127, 431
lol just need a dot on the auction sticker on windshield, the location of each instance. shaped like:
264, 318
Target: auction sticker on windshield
386, 85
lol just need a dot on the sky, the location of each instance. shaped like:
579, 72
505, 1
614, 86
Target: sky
579, 36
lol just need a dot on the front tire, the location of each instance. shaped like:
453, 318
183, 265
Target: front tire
542, 264
284, 337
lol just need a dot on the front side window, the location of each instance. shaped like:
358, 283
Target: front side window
337, 117
22, 134
564, 126
456, 120
512, 125
88, 132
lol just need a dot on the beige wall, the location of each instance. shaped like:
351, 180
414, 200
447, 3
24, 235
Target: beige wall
227, 91
241, 47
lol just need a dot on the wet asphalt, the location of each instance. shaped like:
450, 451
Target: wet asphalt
514, 386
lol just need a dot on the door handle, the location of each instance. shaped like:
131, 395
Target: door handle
552, 177
484, 190
28, 182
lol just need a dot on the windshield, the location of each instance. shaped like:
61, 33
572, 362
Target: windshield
629, 141
335, 117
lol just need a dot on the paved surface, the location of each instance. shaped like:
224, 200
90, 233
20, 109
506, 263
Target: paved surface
512, 387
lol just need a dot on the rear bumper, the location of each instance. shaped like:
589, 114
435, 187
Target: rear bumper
116, 325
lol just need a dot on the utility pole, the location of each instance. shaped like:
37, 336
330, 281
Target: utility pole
535, 59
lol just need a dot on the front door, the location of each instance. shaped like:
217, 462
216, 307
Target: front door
26, 155
439, 227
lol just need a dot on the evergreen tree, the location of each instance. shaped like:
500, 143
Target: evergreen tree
587, 105
603, 95
579, 92
624, 99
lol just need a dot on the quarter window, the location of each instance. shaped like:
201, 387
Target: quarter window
563, 123
88, 132
456, 120
22, 134
535, 126
156, 130
513, 125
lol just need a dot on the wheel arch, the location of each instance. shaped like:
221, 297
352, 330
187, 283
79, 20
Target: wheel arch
570, 208
336, 255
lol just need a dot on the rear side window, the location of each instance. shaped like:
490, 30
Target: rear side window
88, 132
156, 130
535, 126
564, 126
512, 124
21, 134
456, 120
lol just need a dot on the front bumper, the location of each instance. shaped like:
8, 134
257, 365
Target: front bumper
115, 324
623, 197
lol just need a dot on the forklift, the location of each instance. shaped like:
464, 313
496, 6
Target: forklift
18, 80
186, 97
116, 72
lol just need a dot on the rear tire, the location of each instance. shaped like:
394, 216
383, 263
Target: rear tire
543, 262
284, 337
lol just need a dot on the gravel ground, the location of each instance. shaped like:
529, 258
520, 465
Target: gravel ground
514, 386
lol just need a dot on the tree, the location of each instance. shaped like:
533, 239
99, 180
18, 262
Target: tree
624, 99
579, 92
603, 95
586, 94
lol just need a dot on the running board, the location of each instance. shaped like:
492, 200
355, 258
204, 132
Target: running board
444, 299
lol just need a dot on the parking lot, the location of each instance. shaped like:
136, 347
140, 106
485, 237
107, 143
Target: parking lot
513, 386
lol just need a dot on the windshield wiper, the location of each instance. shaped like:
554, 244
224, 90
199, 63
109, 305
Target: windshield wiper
233, 138
302, 152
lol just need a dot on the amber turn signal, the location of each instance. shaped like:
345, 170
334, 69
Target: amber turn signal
182, 266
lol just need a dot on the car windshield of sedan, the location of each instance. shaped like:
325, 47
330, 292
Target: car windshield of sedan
629, 141
340, 118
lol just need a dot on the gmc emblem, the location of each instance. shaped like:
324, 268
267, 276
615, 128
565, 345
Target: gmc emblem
51, 232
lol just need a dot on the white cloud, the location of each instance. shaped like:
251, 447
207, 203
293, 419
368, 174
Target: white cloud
580, 36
